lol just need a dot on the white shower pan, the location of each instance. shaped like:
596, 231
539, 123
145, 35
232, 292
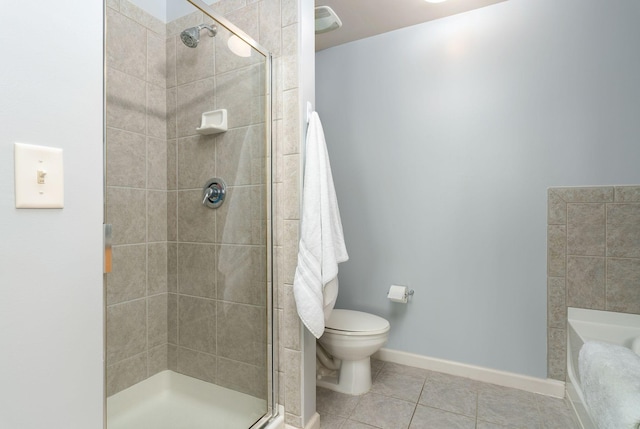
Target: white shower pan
169, 400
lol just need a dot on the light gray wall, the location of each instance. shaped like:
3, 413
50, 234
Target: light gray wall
51, 309
443, 138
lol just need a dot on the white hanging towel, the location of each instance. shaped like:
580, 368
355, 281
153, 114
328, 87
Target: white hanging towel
322, 248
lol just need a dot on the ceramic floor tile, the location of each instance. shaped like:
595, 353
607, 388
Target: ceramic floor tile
451, 397
330, 421
383, 412
510, 407
376, 366
403, 397
431, 418
339, 404
401, 386
488, 425
556, 413
352, 424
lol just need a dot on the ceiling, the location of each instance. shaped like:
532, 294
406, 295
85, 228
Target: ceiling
366, 18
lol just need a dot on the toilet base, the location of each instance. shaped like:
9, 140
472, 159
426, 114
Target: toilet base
354, 378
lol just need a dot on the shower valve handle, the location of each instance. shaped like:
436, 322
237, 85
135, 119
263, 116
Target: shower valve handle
208, 194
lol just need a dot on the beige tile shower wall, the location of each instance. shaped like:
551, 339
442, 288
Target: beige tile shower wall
235, 358
274, 23
593, 248
136, 195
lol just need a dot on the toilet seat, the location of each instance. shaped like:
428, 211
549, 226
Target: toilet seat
355, 323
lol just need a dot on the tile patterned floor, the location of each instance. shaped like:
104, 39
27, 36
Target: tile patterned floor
404, 397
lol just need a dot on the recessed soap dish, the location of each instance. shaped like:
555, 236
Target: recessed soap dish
213, 122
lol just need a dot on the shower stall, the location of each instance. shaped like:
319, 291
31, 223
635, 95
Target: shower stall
188, 292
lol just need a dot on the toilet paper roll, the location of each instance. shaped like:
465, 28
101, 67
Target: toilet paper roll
397, 294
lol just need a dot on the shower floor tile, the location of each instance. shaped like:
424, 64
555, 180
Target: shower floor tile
403, 397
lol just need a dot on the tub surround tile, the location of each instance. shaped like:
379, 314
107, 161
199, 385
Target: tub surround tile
627, 194
593, 266
586, 282
557, 353
556, 250
556, 302
586, 194
586, 229
556, 209
623, 285
623, 230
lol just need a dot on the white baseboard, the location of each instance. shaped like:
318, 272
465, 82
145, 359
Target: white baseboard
542, 386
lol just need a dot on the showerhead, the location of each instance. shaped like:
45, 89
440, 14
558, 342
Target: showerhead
191, 36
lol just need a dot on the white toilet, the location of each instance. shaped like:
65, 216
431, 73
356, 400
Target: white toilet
350, 337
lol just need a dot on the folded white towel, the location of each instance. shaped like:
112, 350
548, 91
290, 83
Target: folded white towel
322, 247
610, 379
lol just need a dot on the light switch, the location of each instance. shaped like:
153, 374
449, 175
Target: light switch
39, 177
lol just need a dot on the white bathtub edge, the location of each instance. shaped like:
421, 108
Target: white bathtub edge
541, 386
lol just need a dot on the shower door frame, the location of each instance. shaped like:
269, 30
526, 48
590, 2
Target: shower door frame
273, 404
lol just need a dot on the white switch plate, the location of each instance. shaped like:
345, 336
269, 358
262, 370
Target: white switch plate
34, 165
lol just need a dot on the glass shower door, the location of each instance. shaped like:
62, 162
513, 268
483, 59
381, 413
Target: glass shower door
188, 192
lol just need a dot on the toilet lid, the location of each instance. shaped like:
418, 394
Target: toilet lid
356, 322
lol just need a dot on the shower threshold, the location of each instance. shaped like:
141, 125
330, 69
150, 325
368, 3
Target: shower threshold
169, 400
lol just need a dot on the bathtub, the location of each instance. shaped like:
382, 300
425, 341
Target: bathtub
589, 325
